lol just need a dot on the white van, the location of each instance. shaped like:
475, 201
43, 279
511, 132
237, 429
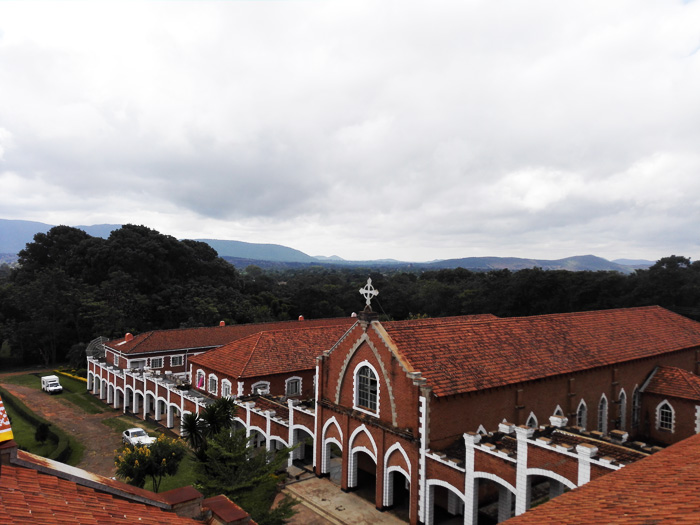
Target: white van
51, 385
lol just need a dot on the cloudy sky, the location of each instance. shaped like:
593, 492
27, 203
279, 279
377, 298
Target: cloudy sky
411, 130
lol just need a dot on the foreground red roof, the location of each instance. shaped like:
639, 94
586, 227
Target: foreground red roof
669, 381
208, 337
28, 496
663, 488
273, 352
458, 355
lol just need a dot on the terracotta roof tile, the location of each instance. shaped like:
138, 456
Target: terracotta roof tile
458, 355
674, 382
208, 337
29, 496
663, 488
273, 352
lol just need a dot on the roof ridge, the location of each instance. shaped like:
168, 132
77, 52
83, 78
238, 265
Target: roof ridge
252, 351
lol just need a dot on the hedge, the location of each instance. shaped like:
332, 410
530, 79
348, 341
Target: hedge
63, 442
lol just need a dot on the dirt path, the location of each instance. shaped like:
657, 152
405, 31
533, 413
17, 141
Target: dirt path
99, 440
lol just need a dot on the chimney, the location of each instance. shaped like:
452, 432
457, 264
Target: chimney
128, 337
301, 317
222, 323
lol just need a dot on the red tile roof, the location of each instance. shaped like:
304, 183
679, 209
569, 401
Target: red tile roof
674, 382
273, 352
28, 496
663, 488
457, 355
209, 337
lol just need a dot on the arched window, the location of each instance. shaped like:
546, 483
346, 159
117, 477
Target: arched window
636, 407
603, 414
213, 384
225, 388
623, 410
366, 389
200, 379
531, 421
558, 412
582, 414
665, 416
261, 388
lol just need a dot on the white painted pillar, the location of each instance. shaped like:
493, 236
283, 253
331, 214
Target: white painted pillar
585, 453
505, 503
471, 484
316, 419
522, 483
268, 416
290, 435
425, 501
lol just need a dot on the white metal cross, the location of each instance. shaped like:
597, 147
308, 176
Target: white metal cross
368, 291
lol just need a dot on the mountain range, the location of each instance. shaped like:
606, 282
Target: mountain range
15, 234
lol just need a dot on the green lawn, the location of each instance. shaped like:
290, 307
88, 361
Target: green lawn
23, 431
121, 423
184, 477
74, 391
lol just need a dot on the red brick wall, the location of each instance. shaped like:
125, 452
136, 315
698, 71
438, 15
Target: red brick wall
450, 417
684, 420
561, 464
484, 462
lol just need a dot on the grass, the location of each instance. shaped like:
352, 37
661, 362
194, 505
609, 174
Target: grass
74, 391
122, 423
23, 431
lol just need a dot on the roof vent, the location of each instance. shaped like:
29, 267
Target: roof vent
222, 323
353, 315
128, 337
301, 317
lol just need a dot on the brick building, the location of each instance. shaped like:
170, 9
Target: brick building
444, 417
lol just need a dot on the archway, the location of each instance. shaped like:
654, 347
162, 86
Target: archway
110, 394
257, 439
398, 492
445, 504
118, 397
149, 403
333, 460
362, 474
303, 454
173, 416
496, 500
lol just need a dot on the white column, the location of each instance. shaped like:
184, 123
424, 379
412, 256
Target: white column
471, 484
290, 436
585, 453
268, 416
522, 483
425, 501
505, 502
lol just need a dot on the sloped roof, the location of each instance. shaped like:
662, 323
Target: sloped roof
208, 337
273, 352
29, 496
669, 381
663, 488
459, 356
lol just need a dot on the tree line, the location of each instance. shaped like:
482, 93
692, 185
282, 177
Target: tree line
70, 287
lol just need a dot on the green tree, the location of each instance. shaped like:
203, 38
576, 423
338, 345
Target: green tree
246, 475
162, 458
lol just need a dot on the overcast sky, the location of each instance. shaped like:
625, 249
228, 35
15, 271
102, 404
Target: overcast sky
408, 130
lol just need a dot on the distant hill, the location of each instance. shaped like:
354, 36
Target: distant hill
14, 235
635, 263
264, 252
574, 264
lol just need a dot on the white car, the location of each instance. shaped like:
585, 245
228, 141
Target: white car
137, 437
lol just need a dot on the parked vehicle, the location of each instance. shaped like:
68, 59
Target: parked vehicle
51, 385
137, 437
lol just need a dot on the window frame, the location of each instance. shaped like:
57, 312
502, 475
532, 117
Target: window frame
662, 409
603, 414
255, 386
357, 392
180, 357
636, 407
215, 390
582, 414
158, 359
291, 381
622, 400
225, 383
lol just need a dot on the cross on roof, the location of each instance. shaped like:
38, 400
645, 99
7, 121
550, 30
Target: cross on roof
368, 291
